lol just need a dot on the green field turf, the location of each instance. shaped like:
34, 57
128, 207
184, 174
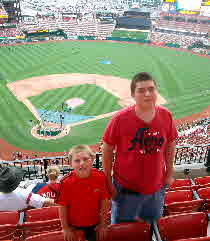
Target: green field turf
97, 100
183, 80
129, 34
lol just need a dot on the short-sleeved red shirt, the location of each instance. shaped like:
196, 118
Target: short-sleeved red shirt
140, 148
82, 197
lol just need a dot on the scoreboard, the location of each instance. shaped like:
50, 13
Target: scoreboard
169, 1
189, 5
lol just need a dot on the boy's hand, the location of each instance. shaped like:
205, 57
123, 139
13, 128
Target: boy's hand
70, 234
101, 231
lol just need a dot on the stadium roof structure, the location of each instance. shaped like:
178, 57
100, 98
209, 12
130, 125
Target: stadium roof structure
139, 10
8, 1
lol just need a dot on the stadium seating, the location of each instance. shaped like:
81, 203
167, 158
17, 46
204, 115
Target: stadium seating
178, 196
8, 231
41, 214
183, 207
202, 180
9, 218
53, 236
35, 228
195, 239
182, 226
128, 232
204, 193
180, 184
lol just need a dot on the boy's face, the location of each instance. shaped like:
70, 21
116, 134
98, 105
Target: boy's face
82, 164
145, 94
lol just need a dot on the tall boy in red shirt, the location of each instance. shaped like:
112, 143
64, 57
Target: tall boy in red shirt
83, 197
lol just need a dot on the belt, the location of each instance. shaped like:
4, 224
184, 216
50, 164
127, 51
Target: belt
128, 192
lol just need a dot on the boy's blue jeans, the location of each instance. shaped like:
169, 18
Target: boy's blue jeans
127, 207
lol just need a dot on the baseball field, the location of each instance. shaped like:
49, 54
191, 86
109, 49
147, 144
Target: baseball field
97, 73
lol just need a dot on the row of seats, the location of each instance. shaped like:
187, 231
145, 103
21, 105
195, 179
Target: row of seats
181, 197
187, 195
182, 227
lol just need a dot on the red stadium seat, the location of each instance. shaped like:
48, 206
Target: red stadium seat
188, 225
201, 186
9, 218
195, 239
53, 236
41, 214
178, 196
35, 228
180, 183
183, 207
204, 193
128, 232
202, 180
9, 231
179, 188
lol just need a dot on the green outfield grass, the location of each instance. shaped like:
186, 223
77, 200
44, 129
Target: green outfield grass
183, 80
129, 34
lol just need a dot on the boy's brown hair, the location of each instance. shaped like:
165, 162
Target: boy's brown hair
80, 148
140, 77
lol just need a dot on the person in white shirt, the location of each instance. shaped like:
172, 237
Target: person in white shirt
14, 198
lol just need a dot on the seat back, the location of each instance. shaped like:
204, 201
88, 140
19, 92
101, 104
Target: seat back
7, 231
179, 188
128, 232
180, 183
38, 227
9, 218
204, 193
202, 180
183, 207
53, 236
178, 196
188, 225
195, 239
41, 214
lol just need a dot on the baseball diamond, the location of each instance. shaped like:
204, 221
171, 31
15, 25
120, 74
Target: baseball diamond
39, 77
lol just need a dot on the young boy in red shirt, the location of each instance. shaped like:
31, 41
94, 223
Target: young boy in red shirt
83, 197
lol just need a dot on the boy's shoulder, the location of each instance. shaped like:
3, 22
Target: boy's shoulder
67, 177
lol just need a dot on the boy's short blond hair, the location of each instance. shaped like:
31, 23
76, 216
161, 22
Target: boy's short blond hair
53, 172
80, 148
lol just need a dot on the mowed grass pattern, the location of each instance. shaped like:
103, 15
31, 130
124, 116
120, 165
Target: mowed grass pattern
183, 80
97, 100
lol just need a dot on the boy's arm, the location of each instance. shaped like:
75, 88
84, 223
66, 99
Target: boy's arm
63, 217
104, 209
107, 159
169, 161
101, 228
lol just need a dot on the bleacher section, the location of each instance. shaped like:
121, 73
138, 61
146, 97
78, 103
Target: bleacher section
181, 31
185, 216
73, 27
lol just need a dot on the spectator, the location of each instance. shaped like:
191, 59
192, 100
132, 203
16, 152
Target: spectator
14, 198
83, 197
143, 136
49, 189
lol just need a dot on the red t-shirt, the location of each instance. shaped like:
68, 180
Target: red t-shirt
50, 190
82, 197
140, 148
